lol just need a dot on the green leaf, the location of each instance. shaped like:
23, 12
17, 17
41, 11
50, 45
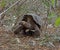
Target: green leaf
3, 3
57, 22
53, 2
45, 3
51, 14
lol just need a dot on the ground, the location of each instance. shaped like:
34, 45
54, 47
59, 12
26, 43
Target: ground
9, 41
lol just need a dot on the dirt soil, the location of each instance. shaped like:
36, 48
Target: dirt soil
9, 41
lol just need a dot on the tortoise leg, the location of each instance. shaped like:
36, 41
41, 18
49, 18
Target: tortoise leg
29, 26
22, 26
26, 24
37, 31
18, 29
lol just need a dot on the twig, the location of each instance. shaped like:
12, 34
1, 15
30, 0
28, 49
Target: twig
10, 7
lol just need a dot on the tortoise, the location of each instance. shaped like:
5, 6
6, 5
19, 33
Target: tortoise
31, 27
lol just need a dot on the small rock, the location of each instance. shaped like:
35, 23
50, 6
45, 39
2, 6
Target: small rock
32, 43
18, 40
50, 26
37, 39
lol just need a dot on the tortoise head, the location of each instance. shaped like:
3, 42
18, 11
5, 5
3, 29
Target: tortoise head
27, 17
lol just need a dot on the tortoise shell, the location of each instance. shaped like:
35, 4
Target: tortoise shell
37, 19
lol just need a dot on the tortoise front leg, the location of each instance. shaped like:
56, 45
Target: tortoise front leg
22, 25
18, 29
37, 31
25, 24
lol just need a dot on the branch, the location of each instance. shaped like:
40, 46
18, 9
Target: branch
10, 7
2, 17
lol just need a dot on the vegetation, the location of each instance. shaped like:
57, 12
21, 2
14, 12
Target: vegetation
11, 12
